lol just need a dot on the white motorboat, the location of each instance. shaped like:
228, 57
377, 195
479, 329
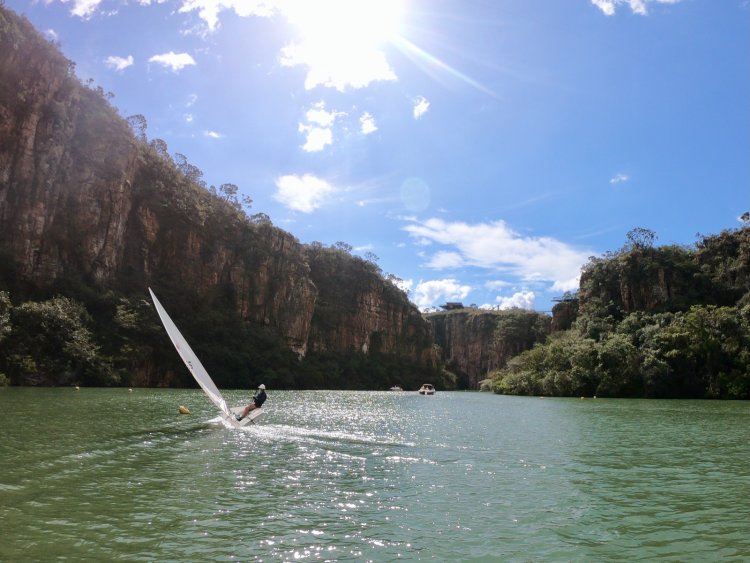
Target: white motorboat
427, 389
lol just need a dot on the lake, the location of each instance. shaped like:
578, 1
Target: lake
108, 474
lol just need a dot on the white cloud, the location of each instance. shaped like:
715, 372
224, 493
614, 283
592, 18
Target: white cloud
619, 179
173, 61
302, 193
403, 285
51, 34
84, 8
494, 246
319, 127
208, 10
341, 68
496, 284
192, 98
367, 123
213, 134
319, 116
430, 293
566, 285
317, 138
640, 7
421, 105
606, 6
443, 259
119, 63
520, 300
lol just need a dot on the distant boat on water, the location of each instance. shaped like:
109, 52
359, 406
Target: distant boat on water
396, 388
427, 389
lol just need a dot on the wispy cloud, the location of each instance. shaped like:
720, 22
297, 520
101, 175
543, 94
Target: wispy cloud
640, 7
496, 284
51, 34
173, 61
119, 63
495, 246
302, 193
421, 105
213, 134
619, 178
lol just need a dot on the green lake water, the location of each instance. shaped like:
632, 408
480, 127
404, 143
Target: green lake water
107, 474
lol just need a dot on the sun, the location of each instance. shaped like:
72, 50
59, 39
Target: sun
341, 41
354, 24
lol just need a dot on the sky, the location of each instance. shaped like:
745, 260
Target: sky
479, 150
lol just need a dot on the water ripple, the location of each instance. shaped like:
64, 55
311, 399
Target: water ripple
372, 476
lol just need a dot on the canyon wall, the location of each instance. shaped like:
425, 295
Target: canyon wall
82, 198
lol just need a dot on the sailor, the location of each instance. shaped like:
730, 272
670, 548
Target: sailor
258, 399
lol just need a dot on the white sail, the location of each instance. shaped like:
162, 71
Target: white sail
191, 360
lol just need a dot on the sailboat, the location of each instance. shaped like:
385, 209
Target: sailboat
200, 374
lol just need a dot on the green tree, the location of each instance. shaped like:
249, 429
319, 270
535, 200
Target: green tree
52, 345
641, 238
139, 125
5, 310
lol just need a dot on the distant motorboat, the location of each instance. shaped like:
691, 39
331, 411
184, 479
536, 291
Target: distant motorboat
396, 388
427, 389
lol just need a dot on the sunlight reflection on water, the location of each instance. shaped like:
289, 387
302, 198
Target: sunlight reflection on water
373, 475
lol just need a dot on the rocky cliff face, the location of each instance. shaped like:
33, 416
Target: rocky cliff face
474, 343
356, 311
564, 314
81, 197
642, 279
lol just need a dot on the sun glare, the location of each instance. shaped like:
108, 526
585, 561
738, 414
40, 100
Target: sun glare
340, 41
346, 24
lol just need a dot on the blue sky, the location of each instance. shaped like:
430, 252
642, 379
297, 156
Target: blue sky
482, 150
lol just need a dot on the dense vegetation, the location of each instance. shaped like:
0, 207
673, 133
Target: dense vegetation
653, 322
114, 340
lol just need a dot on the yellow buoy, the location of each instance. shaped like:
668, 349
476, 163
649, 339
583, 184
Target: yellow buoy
78, 388
184, 410
130, 390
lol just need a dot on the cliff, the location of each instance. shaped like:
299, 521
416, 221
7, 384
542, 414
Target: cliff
89, 210
668, 322
668, 278
476, 342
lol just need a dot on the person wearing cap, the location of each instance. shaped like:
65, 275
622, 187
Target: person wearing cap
258, 399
